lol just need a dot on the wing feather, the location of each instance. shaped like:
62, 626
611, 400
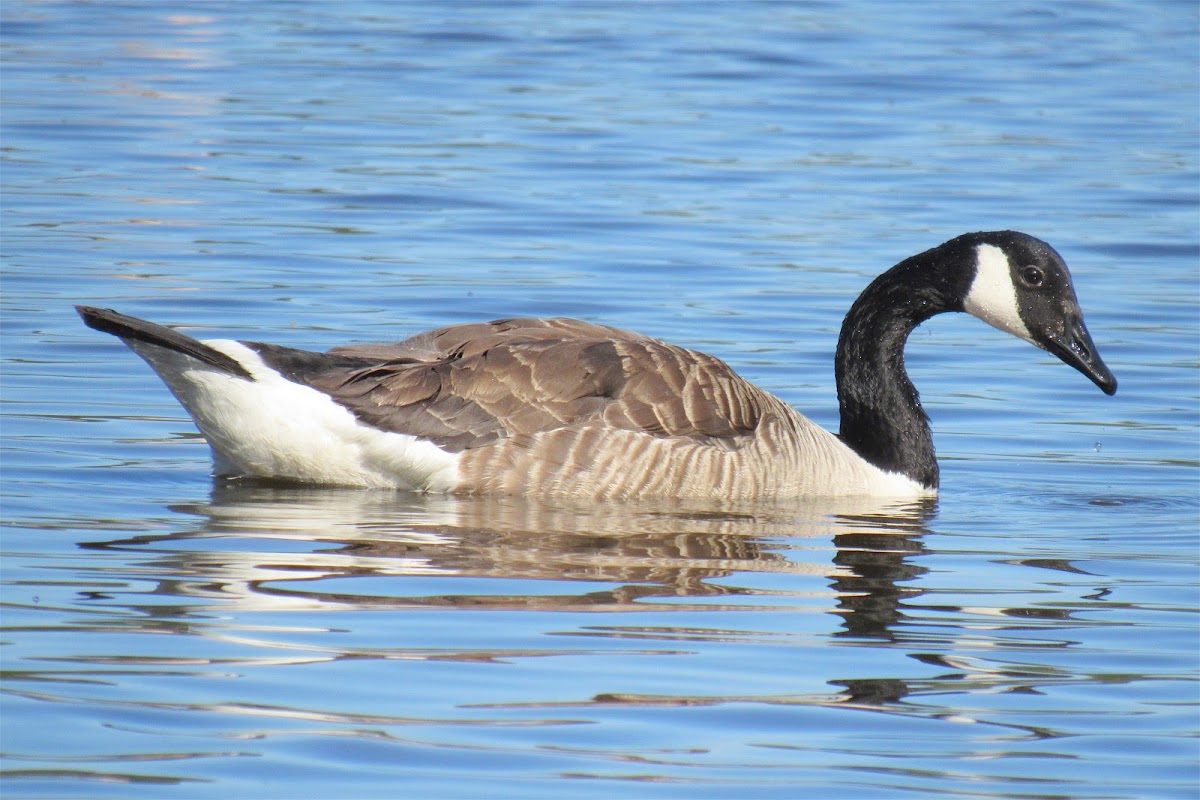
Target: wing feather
466, 386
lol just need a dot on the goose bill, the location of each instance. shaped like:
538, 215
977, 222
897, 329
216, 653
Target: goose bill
1074, 346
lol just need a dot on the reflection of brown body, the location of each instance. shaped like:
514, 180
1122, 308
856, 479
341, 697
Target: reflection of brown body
678, 550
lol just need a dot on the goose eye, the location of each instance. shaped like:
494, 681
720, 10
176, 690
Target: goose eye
1032, 276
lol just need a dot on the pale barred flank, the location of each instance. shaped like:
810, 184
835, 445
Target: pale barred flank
788, 457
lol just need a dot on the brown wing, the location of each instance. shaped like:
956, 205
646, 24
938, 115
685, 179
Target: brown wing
468, 385
441, 342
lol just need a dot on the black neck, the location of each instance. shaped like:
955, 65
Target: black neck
882, 418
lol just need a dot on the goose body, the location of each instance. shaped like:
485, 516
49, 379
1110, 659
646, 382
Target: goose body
560, 407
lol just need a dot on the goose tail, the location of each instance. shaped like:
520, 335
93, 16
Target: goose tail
131, 330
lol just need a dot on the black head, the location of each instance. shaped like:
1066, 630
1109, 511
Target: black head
1022, 286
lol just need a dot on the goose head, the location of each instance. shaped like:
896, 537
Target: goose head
1021, 285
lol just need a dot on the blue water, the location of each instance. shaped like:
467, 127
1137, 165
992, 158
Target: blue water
725, 176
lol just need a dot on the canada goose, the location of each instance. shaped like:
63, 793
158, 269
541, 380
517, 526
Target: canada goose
560, 407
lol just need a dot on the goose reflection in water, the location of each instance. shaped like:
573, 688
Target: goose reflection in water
640, 554
649, 558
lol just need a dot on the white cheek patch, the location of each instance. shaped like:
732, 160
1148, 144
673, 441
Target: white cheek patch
993, 297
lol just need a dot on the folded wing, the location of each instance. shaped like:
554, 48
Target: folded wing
467, 386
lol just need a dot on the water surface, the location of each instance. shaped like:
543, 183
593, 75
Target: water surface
726, 176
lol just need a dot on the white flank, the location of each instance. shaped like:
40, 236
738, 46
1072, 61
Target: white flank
993, 296
273, 428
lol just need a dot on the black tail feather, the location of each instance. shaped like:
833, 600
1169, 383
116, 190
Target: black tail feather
126, 327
